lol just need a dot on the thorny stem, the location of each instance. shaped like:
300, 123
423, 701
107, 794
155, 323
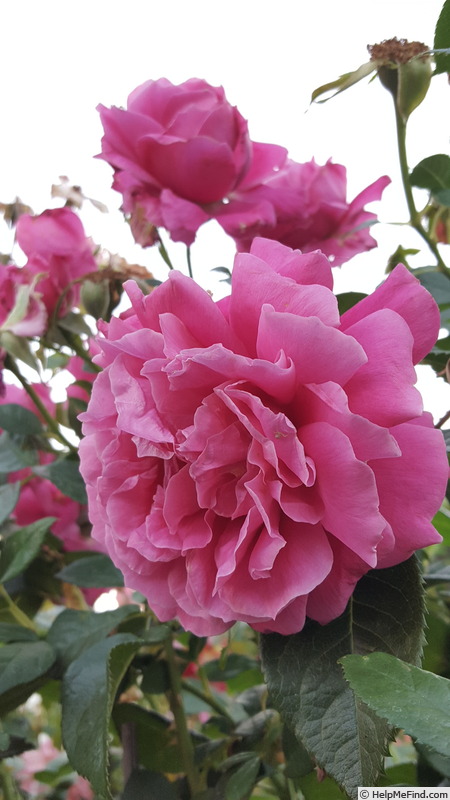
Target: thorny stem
414, 215
52, 424
176, 705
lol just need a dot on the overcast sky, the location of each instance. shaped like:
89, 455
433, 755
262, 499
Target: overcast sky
60, 59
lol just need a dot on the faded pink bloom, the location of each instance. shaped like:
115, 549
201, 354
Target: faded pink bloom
22, 310
252, 459
36, 760
304, 206
176, 150
56, 246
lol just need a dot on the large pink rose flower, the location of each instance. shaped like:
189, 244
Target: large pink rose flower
58, 253
175, 151
304, 206
251, 459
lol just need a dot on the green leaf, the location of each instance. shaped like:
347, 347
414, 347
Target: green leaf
143, 783
89, 689
10, 632
9, 495
14, 453
442, 39
347, 300
75, 631
17, 419
432, 173
344, 82
443, 197
156, 743
22, 547
19, 348
24, 666
439, 287
93, 571
242, 781
407, 696
74, 323
231, 666
65, 475
315, 788
306, 685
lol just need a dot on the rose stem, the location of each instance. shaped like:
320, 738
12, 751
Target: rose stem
414, 221
176, 705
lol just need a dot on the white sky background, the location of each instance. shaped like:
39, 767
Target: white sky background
60, 59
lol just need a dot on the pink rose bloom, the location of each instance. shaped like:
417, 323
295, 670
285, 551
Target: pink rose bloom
36, 760
175, 151
304, 206
18, 396
56, 245
22, 310
252, 459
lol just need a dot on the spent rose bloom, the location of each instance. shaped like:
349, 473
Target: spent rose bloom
58, 252
22, 310
304, 206
252, 459
176, 150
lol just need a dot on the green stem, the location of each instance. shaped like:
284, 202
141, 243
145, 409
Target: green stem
165, 254
414, 216
189, 263
7, 783
80, 351
208, 698
52, 424
176, 705
15, 611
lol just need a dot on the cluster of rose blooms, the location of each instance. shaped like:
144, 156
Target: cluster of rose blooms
249, 459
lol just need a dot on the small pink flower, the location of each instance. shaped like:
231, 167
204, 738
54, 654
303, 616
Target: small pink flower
22, 310
304, 206
58, 253
37, 760
176, 150
252, 459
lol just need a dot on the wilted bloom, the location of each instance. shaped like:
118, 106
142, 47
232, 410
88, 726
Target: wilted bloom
58, 252
304, 206
176, 150
251, 459
22, 310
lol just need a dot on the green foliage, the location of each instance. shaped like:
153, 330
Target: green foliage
65, 474
21, 547
9, 495
433, 173
92, 571
442, 39
408, 697
89, 689
17, 419
307, 686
